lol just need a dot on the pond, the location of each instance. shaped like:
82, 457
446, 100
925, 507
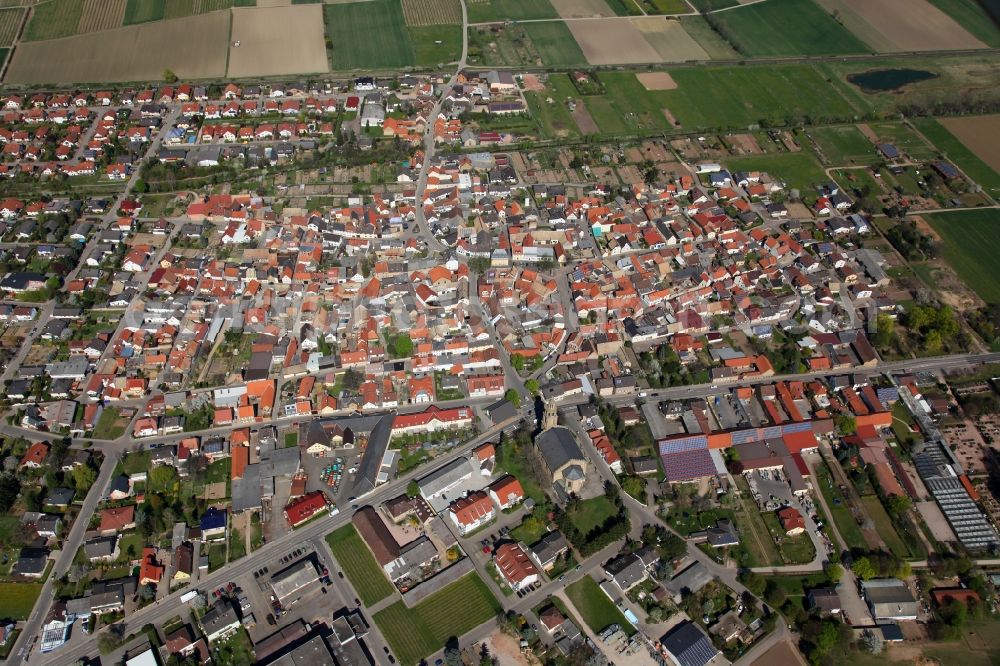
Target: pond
884, 80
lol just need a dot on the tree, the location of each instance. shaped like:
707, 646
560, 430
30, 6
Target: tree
163, 478
532, 386
403, 346
412, 488
513, 397
169, 76
863, 568
775, 594
453, 656
753, 582
518, 362
834, 572
898, 505
847, 424
84, 477
9, 488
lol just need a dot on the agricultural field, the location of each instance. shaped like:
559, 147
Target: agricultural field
432, 12
664, 6
594, 606
10, 21
735, 97
971, 142
624, 7
844, 145
586, 8
101, 15
414, 633
971, 16
713, 5
19, 599
484, 11
359, 565
613, 42
514, 45
713, 44
555, 44
142, 11
971, 245
670, 40
889, 27
785, 27
133, 53
277, 40
426, 50
368, 35
54, 19
884, 527
626, 105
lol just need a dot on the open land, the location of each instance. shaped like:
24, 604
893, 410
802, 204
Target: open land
843, 145
18, 599
582, 8
594, 606
132, 53
971, 245
51, 20
359, 565
971, 16
713, 43
656, 80
669, 39
971, 142
913, 25
786, 27
613, 42
414, 633
555, 43
517, 10
277, 40
368, 35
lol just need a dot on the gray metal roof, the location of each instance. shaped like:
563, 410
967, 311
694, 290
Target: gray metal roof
558, 447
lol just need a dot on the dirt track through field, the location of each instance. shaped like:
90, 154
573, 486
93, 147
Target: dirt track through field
902, 25
192, 47
277, 40
980, 134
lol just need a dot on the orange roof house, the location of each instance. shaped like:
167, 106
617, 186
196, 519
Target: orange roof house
118, 519
35, 455
150, 571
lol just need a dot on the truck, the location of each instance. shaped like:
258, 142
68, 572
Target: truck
188, 596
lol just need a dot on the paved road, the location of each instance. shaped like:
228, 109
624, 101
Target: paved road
64, 558
169, 606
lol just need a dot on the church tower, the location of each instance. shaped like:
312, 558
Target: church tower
551, 417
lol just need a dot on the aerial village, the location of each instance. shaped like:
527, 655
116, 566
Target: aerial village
657, 418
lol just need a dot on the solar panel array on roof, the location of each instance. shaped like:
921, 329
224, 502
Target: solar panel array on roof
683, 444
801, 426
687, 465
744, 436
770, 432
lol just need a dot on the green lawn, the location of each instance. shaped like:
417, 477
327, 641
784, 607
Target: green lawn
902, 423
799, 170
786, 27
129, 540
54, 19
903, 137
218, 471
797, 549
796, 586
142, 11
884, 526
592, 513
427, 52
555, 44
216, 556
624, 7
735, 97
971, 16
971, 245
956, 151
481, 11
107, 426
18, 599
844, 145
594, 606
665, 6
359, 565
368, 35
509, 461
415, 633
554, 118
842, 518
